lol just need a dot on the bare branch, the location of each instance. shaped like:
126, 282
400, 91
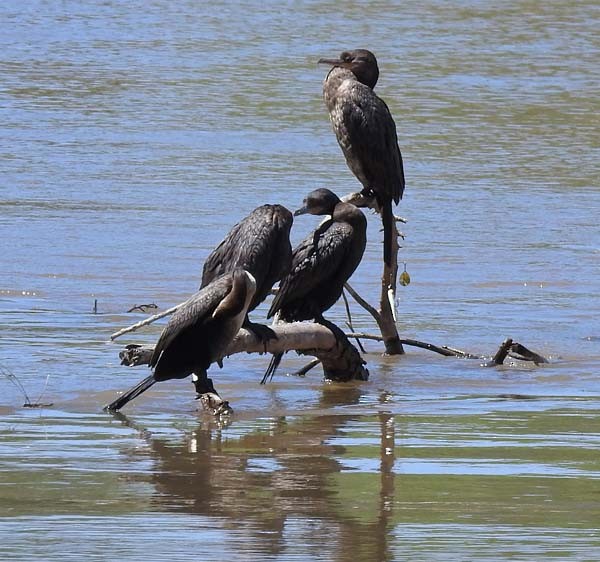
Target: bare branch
363, 336
519, 351
349, 323
340, 359
445, 351
460, 353
370, 309
145, 322
502, 352
143, 307
309, 366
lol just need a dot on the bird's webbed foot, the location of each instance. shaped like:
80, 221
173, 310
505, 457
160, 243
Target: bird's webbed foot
209, 397
263, 333
370, 199
214, 404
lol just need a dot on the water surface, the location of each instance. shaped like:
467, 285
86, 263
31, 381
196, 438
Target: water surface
135, 135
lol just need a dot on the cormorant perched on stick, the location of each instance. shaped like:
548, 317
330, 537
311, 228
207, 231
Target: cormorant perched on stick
260, 244
321, 263
197, 335
366, 132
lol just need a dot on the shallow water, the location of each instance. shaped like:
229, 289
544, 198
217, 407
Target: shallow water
135, 135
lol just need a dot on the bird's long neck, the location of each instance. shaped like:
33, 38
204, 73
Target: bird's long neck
346, 212
333, 82
238, 298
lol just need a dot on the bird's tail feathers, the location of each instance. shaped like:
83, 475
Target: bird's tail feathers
130, 394
275, 360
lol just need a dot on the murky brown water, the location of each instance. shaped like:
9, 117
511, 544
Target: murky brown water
134, 135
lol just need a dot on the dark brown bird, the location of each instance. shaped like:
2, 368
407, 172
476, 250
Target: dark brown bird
321, 263
197, 335
260, 244
366, 132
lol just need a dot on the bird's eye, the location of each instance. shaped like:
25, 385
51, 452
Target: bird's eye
346, 57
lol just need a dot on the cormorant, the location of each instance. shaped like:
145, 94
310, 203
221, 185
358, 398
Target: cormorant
260, 244
366, 132
321, 263
197, 335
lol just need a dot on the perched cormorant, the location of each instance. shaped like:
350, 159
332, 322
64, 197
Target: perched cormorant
197, 335
366, 132
321, 263
260, 244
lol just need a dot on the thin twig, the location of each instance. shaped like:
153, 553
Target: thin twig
43, 390
371, 310
145, 322
349, 323
143, 307
16, 382
363, 336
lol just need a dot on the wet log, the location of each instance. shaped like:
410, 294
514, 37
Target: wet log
340, 359
520, 352
445, 351
502, 352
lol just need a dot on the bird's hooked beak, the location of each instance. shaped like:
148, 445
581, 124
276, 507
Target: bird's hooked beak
332, 62
301, 211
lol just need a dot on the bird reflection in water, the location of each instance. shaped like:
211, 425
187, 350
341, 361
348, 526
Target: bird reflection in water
283, 473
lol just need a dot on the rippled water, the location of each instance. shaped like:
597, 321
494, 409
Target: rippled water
135, 134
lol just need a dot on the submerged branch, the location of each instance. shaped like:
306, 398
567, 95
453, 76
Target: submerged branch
520, 352
431, 347
502, 352
310, 365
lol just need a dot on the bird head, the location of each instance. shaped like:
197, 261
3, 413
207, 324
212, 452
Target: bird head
360, 62
319, 202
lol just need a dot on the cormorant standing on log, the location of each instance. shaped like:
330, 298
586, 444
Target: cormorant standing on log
197, 335
366, 132
260, 244
321, 263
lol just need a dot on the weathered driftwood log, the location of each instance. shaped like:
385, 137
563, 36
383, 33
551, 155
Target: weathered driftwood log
516, 351
340, 359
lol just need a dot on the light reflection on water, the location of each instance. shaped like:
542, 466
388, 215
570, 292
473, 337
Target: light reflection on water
135, 134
